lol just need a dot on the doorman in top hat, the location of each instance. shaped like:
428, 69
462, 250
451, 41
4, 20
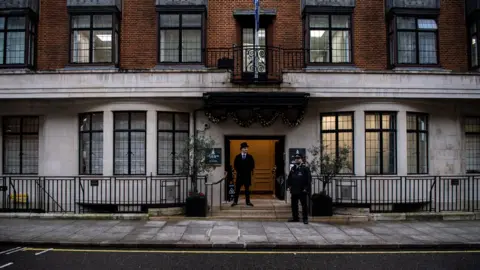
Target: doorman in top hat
244, 166
299, 182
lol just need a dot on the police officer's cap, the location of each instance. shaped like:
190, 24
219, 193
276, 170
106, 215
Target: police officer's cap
299, 156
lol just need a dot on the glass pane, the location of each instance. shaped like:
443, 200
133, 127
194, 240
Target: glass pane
138, 146
191, 46
2, 22
428, 48
121, 120
423, 152
32, 50
388, 121
165, 121
345, 140
391, 41
191, 20
389, 153
319, 21
11, 154
472, 124
372, 121
97, 121
412, 152
169, 20
81, 21
80, 46
405, 23
165, 153
473, 52
407, 47
345, 122
473, 28
16, 23
2, 45
329, 144
181, 141
247, 36
117, 51
169, 45
341, 21
12, 125
422, 122
138, 120
30, 124
97, 153
328, 123
182, 121
472, 153
412, 122
102, 21
102, 46
15, 48
340, 46
85, 122
30, 154
121, 153
319, 46
372, 152
427, 24
85, 153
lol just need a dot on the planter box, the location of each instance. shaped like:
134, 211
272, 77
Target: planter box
196, 207
322, 205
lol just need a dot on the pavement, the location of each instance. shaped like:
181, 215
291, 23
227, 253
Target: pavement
213, 234
73, 259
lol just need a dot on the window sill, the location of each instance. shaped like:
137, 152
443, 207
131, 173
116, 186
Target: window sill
180, 67
421, 70
332, 68
89, 68
22, 70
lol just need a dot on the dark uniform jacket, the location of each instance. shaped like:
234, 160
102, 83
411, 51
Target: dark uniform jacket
299, 179
244, 168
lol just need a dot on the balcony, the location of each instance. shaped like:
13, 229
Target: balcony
412, 4
473, 7
116, 4
20, 4
322, 5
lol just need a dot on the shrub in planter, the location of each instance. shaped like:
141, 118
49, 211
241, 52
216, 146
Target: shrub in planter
196, 205
322, 205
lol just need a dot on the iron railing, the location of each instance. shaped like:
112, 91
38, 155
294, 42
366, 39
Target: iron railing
85, 194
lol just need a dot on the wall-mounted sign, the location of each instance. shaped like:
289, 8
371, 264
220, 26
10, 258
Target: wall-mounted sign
295, 151
214, 156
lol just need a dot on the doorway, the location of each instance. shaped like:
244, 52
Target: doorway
254, 55
269, 155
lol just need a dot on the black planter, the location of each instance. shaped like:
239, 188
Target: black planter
322, 205
196, 206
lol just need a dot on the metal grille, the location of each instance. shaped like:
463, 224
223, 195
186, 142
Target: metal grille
91, 143
172, 137
17, 40
20, 144
130, 143
472, 144
417, 143
380, 143
337, 132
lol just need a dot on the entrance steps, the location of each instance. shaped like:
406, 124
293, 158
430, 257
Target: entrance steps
263, 210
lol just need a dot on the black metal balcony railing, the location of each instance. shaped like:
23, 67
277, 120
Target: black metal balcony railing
428, 4
473, 6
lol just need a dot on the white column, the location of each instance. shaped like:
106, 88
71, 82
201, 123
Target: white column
359, 142
402, 168
108, 136
151, 158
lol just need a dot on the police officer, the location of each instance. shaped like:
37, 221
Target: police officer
299, 182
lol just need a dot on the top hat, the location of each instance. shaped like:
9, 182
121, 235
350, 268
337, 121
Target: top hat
243, 145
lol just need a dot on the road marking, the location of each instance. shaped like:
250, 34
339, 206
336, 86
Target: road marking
40, 253
6, 265
259, 252
6, 251
11, 252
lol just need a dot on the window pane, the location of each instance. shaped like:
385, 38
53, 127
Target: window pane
340, 46
2, 45
15, 48
12, 124
407, 47
165, 153
121, 153
473, 51
165, 121
472, 124
2, 22
102, 21
117, 45
328, 123
85, 122
389, 148
169, 20
138, 120
191, 20
182, 121
30, 125
473, 28
388, 121
85, 153
341, 21
97, 121
345, 139
30, 154
191, 45
169, 45
427, 24
97, 153
372, 153
81, 21
11, 154
80, 46
422, 122
102, 46
319, 46
372, 121
345, 122
405, 23
121, 120
428, 48
181, 140
138, 146
412, 152
412, 122
319, 21
472, 153
16, 23
423, 153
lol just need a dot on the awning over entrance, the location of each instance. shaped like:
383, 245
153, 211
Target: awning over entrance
246, 108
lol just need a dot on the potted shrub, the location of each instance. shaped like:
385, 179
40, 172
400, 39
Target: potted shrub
192, 163
325, 165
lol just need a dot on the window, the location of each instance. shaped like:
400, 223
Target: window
173, 135
17, 41
94, 39
181, 38
130, 143
472, 144
417, 143
91, 143
474, 48
337, 133
380, 143
413, 41
20, 145
329, 38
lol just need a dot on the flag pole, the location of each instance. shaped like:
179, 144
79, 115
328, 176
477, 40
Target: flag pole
256, 41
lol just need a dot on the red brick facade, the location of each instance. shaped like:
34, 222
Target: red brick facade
138, 43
